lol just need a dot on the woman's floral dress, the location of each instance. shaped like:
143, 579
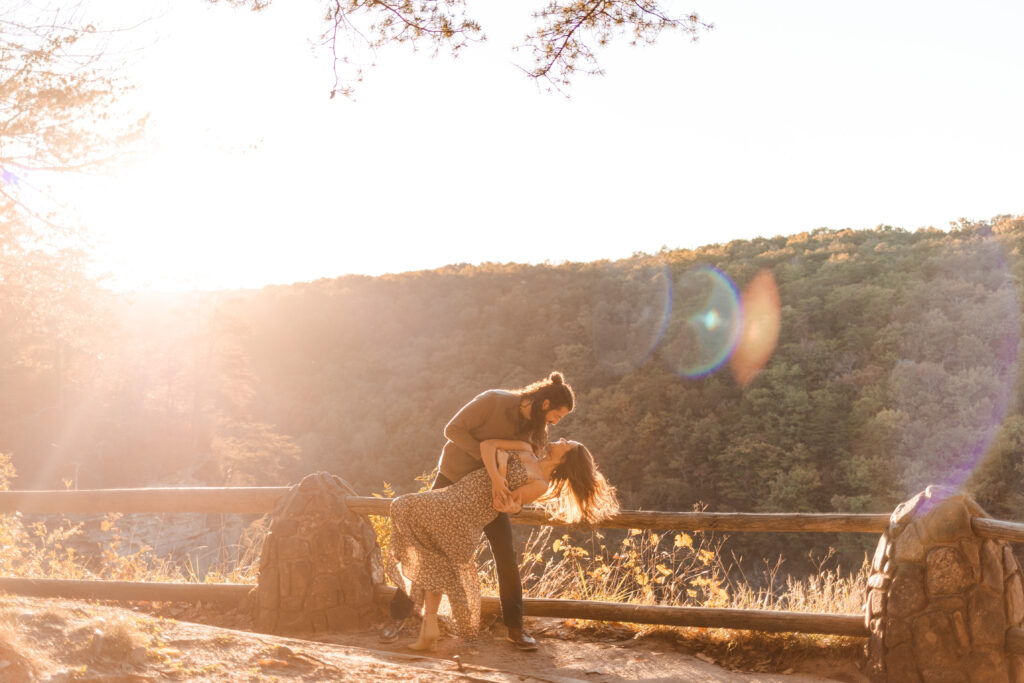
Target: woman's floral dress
435, 535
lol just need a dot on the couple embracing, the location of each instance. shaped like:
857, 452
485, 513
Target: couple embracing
497, 458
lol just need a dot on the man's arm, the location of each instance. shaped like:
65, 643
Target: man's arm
471, 415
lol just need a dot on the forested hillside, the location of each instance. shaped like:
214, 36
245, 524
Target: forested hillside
896, 366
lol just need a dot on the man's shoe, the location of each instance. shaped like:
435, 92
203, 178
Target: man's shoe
521, 639
391, 631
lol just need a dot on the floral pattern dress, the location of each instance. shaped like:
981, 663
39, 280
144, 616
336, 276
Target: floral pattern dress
435, 535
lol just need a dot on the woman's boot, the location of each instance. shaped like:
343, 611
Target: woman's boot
429, 633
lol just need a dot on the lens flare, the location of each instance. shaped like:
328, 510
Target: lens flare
762, 319
954, 382
9, 177
705, 322
630, 315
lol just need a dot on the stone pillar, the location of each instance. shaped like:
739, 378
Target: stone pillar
319, 564
941, 599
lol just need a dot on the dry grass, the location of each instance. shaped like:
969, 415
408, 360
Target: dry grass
638, 566
681, 569
676, 568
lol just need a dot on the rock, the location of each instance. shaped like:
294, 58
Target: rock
987, 667
899, 664
908, 546
938, 609
944, 676
896, 632
1017, 668
1014, 600
319, 564
907, 592
876, 603
879, 558
1009, 562
992, 565
948, 521
971, 550
948, 572
935, 642
987, 620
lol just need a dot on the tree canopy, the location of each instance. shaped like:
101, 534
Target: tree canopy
563, 43
57, 115
896, 366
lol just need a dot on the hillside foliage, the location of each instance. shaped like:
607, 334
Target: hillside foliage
895, 367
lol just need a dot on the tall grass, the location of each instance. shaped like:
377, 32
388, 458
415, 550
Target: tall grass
43, 549
672, 568
635, 566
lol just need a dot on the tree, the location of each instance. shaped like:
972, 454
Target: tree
56, 116
57, 100
561, 44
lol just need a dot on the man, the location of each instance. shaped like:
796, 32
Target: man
523, 415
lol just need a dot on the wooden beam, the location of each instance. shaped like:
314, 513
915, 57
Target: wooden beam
261, 500
253, 499
702, 617
998, 529
729, 521
131, 591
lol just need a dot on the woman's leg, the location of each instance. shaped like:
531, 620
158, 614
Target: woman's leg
402, 605
429, 631
431, 602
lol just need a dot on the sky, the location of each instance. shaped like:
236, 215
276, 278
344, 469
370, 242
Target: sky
786, 117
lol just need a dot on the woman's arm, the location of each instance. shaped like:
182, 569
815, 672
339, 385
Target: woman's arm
495, 462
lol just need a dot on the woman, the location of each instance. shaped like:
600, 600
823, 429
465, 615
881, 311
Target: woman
521, 415
434, 534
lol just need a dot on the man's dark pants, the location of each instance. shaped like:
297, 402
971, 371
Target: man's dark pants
510, 587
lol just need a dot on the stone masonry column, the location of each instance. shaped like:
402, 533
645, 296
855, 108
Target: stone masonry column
941, 599
319, 565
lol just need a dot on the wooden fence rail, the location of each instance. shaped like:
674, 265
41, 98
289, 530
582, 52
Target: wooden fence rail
236, 593
262, 500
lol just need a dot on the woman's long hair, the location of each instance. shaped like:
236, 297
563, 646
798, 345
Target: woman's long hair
558, 395
578, 492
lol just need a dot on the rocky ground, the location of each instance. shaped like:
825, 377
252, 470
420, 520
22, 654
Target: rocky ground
67, 640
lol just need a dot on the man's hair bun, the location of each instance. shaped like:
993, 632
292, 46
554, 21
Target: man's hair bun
556, 378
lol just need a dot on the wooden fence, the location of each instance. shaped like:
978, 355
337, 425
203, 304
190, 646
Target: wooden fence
262, 500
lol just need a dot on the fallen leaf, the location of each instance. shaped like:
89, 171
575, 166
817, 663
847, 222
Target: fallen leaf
270, 663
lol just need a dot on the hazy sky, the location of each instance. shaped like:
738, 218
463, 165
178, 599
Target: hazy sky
788, 116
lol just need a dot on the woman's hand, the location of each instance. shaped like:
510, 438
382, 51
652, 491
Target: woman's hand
511, 506
501, 497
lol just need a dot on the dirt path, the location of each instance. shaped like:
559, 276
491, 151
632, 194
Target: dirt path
563, 657
67, 640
